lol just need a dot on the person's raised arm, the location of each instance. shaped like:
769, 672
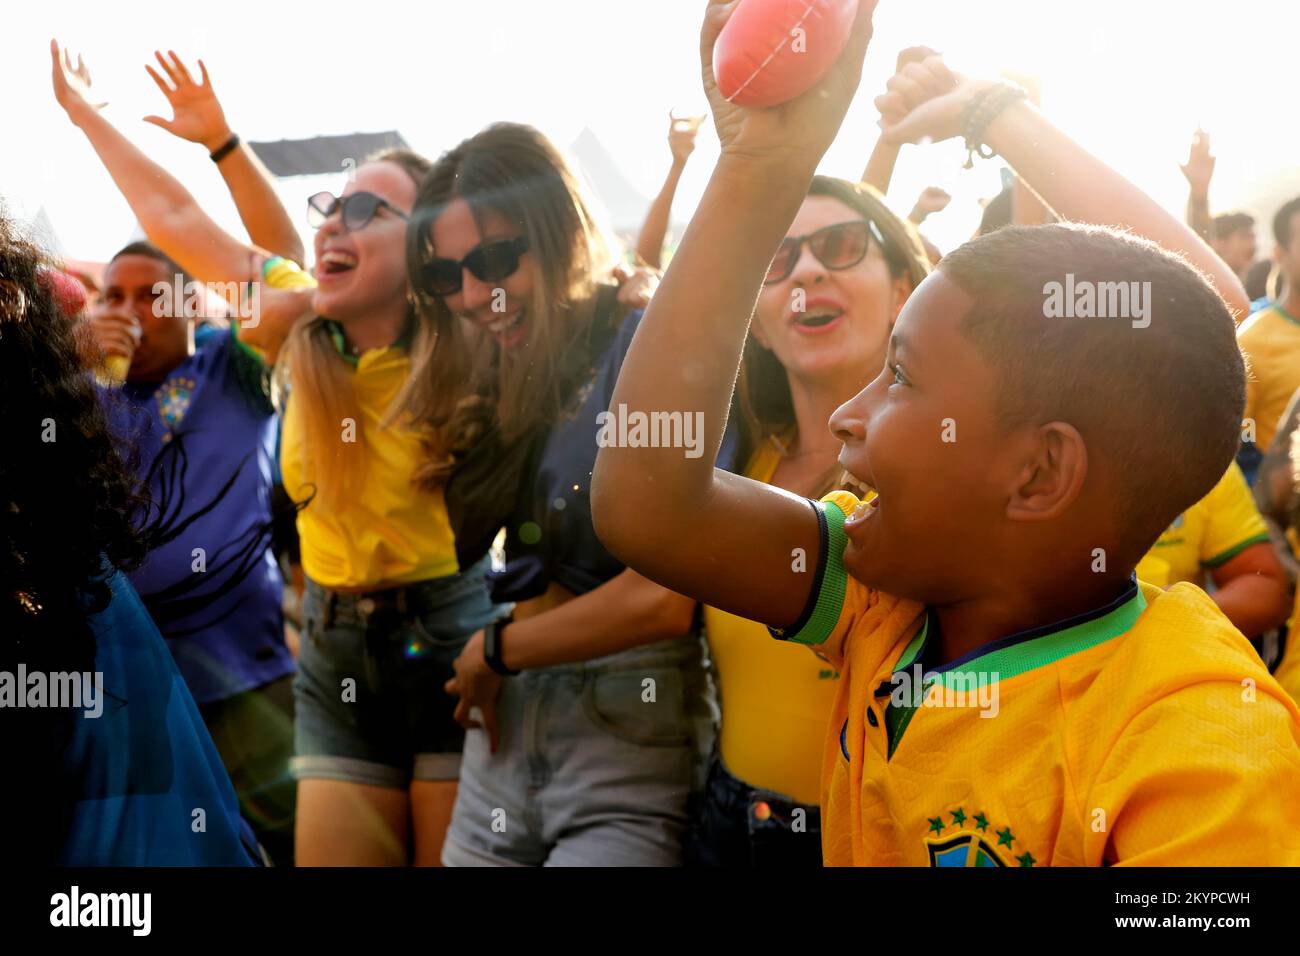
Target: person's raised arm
884, 155
681, 142
929, 101
167, 212
1198, 169
702, 532
197, 116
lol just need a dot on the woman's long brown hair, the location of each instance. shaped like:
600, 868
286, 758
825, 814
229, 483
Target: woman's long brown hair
462, 382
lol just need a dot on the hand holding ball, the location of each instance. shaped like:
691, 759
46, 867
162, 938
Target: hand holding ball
771, 51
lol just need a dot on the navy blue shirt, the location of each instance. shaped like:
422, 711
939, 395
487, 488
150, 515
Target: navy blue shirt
549, 534
206, 450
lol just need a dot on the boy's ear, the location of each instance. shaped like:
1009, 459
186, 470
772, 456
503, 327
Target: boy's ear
1052, 475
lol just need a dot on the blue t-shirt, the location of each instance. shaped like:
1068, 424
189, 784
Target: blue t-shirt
205, 444
150, 787
549, 535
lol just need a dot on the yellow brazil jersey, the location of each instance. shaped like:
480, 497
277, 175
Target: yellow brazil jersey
1145, 733
776, 697
390, 533
1270, 340
1205, 536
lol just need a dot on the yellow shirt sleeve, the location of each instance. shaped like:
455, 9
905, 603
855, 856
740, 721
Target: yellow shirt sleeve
1233, 523
1227, 800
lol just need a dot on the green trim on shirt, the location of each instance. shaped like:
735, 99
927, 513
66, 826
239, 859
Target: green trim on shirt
341, 343
834, 580
1232, 552
1283, 312
1024, 656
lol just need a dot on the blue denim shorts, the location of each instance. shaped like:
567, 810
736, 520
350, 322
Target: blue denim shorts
737, 825
594, 767
369, 698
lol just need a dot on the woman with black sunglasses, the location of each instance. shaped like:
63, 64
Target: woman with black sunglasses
819, 332
588, 706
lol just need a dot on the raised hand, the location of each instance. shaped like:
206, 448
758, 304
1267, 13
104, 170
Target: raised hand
1199, 167
801, 129
72, 84
925, 100
682, 131
932, 199
196, 113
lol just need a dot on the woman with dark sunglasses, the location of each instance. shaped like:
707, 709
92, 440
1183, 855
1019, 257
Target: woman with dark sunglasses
388, 607
819, 331
588, 705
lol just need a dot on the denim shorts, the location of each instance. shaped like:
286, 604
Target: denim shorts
742, 826
369, 698
595, 764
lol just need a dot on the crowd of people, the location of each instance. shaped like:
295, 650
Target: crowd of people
366, 581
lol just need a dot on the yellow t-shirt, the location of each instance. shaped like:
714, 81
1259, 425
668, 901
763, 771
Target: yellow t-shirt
391, 532
776, 698
1146, 733
1208, 534
1270, 340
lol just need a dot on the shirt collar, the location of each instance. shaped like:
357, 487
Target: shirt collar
1037, 647
341, 343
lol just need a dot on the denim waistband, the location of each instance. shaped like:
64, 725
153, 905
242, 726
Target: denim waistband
676, 652
416, 598
737, 797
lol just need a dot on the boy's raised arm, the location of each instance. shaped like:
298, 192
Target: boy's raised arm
927, 100
714, 536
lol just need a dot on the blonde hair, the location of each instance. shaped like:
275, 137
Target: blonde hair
466, 384
310, 365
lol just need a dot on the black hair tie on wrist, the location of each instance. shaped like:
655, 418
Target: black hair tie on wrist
225, 149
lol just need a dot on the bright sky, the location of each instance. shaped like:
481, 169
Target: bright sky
1131, 79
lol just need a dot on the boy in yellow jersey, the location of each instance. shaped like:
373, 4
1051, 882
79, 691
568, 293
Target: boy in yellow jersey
1271, 337
1223, 537
1010, 696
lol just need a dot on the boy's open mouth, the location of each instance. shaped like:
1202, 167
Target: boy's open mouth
864, 511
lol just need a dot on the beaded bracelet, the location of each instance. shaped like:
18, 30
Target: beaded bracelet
980, 113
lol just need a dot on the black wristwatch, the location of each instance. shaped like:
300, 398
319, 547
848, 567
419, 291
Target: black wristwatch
492, 645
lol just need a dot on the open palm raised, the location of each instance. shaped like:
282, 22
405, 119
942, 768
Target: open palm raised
196, 112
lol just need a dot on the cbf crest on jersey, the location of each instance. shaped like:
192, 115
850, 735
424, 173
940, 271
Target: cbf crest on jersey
955, 839
174, 397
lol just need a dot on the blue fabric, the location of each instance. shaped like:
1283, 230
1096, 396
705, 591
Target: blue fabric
549, 535
206, 449
146, 764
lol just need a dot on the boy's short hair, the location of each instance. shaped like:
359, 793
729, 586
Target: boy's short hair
1227, 223
1160, 404
1283, 222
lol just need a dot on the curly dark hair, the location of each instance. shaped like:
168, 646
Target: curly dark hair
68, 513
67, 498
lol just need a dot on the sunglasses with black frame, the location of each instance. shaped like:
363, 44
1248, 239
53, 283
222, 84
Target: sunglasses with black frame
489, 261
356, 209
836, 247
